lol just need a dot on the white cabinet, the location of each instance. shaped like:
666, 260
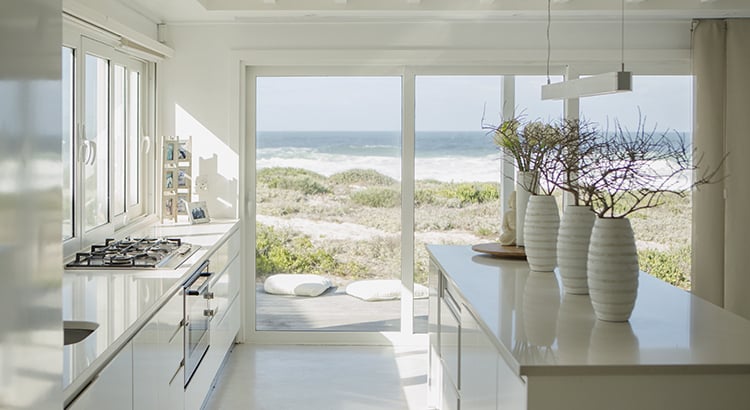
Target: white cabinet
225, 286
479, 361
112, 388
158, 380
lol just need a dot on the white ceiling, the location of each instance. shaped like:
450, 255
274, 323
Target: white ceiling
195, 11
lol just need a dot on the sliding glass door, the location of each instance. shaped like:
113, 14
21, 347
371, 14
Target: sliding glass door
328, 203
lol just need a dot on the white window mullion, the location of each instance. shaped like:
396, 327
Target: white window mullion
408, 136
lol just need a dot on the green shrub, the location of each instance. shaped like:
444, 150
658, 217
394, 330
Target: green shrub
361, 176
377, 197
671, 266
280, 251
295, 179
424, 197
471, 193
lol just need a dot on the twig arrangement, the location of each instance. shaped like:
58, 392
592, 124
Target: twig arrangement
621, 172
531, 145
615, 173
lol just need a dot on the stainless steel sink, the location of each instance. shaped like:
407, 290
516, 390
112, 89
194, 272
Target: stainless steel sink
75, 331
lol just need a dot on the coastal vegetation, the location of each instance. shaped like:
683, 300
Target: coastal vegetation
366, 241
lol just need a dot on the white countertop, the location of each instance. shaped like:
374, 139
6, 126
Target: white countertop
122, 301
539, 330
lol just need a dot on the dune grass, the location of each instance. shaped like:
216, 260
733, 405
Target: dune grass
449, 213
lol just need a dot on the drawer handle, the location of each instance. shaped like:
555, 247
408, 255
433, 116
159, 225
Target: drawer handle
176, 372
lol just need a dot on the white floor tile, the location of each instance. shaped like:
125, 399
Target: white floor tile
322, 377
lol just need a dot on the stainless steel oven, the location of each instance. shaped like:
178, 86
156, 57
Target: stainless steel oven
198, 314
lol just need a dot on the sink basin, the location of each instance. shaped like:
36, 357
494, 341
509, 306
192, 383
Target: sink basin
75, 331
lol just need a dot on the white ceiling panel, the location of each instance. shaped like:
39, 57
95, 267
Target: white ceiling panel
194, 11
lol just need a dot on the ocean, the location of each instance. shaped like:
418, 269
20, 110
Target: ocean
448, 156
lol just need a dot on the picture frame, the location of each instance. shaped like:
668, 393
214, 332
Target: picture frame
183, 179
169, 180
169, 152
169, 208
182, 202
183, 154
198, 212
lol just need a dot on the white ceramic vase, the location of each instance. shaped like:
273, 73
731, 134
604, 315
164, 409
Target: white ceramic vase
541, 225
613, 269
523, 182
573, 247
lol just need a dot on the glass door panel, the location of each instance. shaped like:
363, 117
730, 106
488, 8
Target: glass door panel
457, 168
95, 144
328, 201
664, 103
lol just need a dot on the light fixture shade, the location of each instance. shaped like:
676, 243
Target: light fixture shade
607, 83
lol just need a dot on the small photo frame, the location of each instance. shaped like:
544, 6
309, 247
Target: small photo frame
169, 180
169, 152
169, 209
198, 212
183, 155
182, 202
182, 179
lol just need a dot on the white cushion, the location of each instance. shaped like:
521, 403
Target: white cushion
382, 289
296, 284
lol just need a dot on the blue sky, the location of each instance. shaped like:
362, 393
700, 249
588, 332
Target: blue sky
453, 103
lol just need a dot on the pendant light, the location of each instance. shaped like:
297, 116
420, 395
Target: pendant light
607, 83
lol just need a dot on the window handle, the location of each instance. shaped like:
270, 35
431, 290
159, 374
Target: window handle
146, 144
92, 160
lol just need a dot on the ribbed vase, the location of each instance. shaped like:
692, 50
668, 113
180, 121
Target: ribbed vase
523, 182
613, 269
573, 247
541, 225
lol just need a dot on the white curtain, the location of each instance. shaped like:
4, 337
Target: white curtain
721, 211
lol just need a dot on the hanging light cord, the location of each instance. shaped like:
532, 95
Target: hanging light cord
549, 47
622, 38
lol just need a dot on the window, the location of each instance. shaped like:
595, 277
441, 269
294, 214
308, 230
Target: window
104, 173
664, 104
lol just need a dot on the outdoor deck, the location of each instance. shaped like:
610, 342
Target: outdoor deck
334, 311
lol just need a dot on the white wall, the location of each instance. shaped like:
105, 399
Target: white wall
198, 85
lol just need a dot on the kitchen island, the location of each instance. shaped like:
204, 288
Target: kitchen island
122, 302
502, 337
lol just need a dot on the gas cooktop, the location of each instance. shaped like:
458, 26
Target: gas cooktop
135, 253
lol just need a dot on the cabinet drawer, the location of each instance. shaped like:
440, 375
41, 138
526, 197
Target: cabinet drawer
449, 343
112, 388
449, 399
225, 287
225, 253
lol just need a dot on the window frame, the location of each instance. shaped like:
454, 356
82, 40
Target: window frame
86, 41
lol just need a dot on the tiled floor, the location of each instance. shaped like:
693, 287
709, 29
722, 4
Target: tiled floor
322, 378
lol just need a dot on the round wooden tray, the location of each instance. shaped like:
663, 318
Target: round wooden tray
500, 251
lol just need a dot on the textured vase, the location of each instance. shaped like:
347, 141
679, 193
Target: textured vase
573, 247
523, 182
541, 225
613, 269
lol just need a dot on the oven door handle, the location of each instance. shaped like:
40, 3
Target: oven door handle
202, 282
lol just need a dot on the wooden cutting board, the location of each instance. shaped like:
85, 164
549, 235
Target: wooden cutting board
500, 251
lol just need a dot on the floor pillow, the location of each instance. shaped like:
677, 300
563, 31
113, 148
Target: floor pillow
296, 284
382, 289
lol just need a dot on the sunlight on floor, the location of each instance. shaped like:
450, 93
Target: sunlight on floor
322, 377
